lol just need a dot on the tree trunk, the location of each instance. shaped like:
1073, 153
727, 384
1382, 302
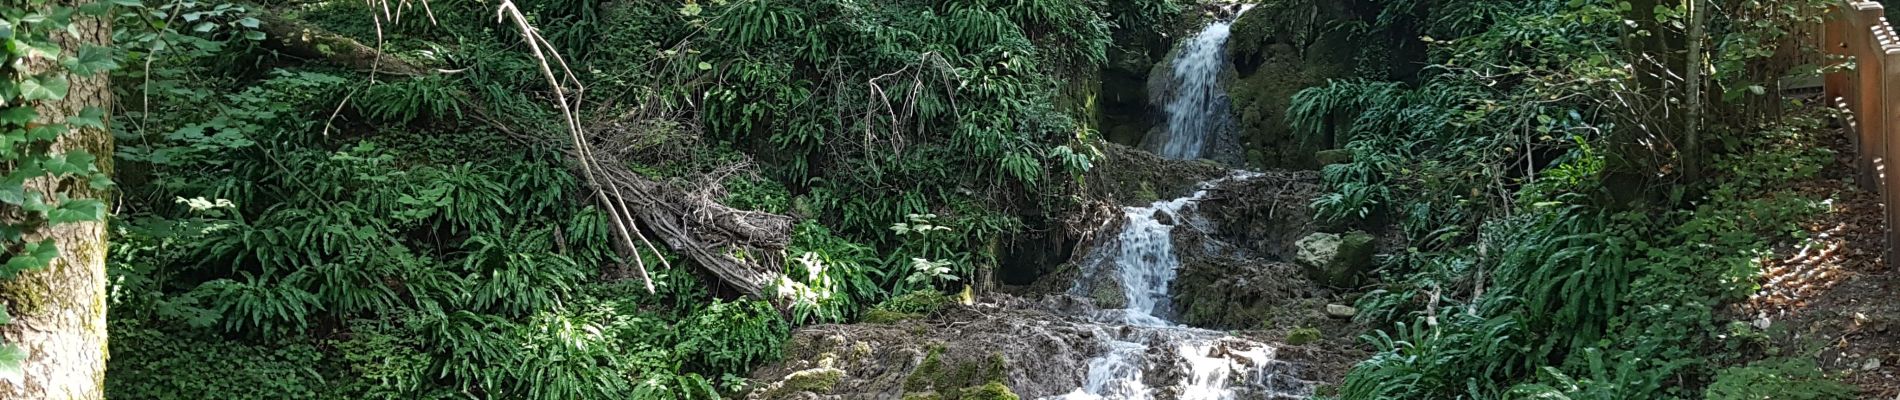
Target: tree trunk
59, 312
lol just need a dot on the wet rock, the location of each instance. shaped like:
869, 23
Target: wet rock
1336, 260
1239, 293
1131, 177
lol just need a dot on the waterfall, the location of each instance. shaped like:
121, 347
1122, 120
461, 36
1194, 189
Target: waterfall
1210, 365
1148, 356
1198, 110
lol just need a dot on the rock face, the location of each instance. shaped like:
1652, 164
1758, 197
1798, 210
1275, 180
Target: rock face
991, 351
1336, 260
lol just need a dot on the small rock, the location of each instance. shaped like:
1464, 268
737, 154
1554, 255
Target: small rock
1163, 217
1342, 311
1763, 323
1872, 364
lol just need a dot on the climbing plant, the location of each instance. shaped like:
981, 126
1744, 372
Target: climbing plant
36, 71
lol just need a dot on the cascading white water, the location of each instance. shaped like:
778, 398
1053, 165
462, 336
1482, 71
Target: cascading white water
1203, 364
1211, 365
1199, 108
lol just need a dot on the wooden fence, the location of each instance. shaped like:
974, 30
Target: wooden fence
1870, 92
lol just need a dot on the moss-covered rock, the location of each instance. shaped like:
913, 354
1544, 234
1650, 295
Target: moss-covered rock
1333, 156
1278, 50
1336, 260
981, 379
1107, 293
815, 381
1302, 336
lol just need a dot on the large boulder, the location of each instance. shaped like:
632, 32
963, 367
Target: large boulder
1334, 259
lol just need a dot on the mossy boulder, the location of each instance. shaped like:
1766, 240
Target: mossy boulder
816, 381
1302, 336
1333, 156
1107, 293
1334, 259
972, 380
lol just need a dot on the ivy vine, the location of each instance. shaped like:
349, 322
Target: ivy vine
26, 139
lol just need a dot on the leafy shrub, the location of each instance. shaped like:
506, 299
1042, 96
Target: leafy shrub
148, 363
729, 336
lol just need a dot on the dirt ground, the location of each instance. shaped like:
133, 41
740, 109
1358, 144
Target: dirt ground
1835, 299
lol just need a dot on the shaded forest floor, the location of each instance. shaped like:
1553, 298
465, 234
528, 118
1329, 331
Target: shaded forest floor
1832, 297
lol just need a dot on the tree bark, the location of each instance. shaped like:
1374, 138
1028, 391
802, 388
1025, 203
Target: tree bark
59, 312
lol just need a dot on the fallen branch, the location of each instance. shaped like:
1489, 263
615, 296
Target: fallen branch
743, 248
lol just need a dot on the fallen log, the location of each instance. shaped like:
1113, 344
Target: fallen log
303, 40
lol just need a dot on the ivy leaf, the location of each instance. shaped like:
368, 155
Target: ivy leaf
100, 182
77, 211
18, 115
6, 29
32, 256
705, 66
91, 117
44, 87
12, 193
12, 359
70, 163
126, 3
253, 35
248, 22
90, 60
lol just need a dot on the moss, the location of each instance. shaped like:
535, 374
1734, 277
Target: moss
1302, 336
23, 296
882, 316
817, 380
973, 380
990, 391
1333, 156
927, 372
918, 302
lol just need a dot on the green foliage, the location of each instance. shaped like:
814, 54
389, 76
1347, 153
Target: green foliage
732, 336
1534, 266
407, 100
175, 365
1786, 378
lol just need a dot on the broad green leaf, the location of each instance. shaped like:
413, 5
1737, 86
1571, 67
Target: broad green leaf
18, 115
6, 29
253, 35
12, 359
71, 163
44, 87
77, 211
32, 256
91, 117
90, 60
248, 22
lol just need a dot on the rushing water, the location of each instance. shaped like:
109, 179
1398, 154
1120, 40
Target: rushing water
1150, 357
1198, 110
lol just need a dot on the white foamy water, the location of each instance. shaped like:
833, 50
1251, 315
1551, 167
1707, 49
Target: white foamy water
1201, 364
1199, 108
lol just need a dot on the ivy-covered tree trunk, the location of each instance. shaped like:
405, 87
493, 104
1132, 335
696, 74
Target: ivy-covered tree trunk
59, 312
